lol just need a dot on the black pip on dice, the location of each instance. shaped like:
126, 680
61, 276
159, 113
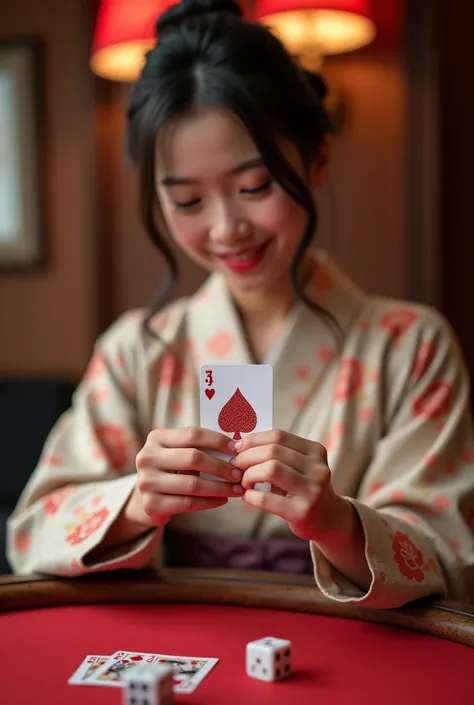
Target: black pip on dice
269, 659
148, 684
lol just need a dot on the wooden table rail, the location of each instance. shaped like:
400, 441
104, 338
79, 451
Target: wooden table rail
444, 619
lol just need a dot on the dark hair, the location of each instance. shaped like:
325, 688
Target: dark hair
208, 55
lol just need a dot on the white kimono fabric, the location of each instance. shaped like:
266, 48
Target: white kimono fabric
391, 405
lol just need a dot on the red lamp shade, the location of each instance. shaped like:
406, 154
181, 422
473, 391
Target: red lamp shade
124, 32
314, 28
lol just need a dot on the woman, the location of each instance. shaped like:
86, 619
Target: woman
371, 465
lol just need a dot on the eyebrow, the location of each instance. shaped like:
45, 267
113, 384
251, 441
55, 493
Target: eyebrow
172, 180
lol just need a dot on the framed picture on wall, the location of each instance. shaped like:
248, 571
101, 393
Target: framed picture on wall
21, 232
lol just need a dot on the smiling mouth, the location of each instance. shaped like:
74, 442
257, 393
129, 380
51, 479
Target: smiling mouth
245, 255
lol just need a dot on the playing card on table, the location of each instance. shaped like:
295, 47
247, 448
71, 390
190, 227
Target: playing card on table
236, 400
87, 668
188, 671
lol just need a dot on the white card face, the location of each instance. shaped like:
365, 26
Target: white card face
87, 669
237, 400
188, 671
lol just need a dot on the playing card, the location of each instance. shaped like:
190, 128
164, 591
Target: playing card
237, 400
189, 671
109, 672
87, 669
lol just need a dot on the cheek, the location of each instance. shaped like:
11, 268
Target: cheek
280, 215
186, 231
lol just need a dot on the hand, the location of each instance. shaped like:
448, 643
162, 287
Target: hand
297, 469
168, 468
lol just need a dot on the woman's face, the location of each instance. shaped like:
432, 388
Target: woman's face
221, 205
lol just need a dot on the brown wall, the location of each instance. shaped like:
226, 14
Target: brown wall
47, 317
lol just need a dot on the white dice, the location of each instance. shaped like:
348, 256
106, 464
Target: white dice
148, 684
269, 659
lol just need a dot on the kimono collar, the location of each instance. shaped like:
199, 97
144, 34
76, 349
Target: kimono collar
307, 344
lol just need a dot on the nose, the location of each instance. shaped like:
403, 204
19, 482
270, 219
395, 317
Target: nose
227, 224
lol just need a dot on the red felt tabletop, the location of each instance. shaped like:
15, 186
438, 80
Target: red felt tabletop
337, 662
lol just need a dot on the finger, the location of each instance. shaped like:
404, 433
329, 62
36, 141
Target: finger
272, 452
279, 475
170, 504
188, 460
280, 438
288, 508
189, 485
193, 437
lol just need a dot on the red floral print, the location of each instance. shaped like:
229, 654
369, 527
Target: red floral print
349, 380
455, 544
334, 436
366, 414
375, 487
22, 541
176, 407
120, 360
431, 472
326, 355
159, 322
398, 496
410, 518
300, 401
220, 344
97, 367
53, 501
435, 401
128, 387
398, 322
85, 529
172, 370
441, 503
424, 358
79, 510
99, 396
408, 556
302, 372
113, 441
53, 460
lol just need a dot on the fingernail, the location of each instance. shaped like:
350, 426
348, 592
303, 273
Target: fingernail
231, 445
238, 445
237, 489
236, 474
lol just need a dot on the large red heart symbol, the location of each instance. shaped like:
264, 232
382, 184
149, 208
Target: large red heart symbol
210, 393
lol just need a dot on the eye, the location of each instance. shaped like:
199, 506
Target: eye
259, 189
184, 205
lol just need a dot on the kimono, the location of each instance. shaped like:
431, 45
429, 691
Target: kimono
388, 397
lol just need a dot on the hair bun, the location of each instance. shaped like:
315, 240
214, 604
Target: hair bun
186, 9
317, 83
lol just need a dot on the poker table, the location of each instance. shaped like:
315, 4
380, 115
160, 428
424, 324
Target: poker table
343, 654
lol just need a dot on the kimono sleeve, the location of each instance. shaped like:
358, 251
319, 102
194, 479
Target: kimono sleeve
86, 472
416, 500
